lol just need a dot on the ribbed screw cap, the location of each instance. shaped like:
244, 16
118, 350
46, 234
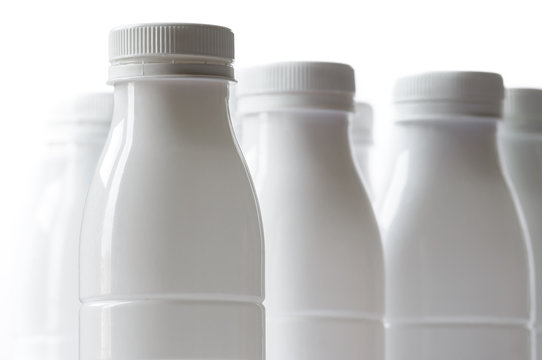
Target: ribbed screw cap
159, 40
289, 85
297, 77
452, 93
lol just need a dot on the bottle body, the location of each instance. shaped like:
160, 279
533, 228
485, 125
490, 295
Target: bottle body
171, 246
521, 154
324, 271
457, 268
47, 309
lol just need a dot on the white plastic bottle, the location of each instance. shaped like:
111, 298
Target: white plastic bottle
324, 270
47, 296
457, 268
361, 139
171, 242
520, 141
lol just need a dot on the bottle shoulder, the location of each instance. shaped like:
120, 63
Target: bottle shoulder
467, 207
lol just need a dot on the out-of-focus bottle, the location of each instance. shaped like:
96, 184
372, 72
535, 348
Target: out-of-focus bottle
361, 139
520, 142
324, 267
47, 296
171, 242
457, 264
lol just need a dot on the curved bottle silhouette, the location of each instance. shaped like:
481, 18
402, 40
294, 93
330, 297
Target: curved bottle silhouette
520, 142
324, 271
171, 244
457, 267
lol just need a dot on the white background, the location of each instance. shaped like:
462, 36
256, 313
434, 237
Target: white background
53, 49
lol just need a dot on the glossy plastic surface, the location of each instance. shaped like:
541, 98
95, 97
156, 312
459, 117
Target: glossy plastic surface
521, 155
324, 270
171, 245
47, 308
457, 267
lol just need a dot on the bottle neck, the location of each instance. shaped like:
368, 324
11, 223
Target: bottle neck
171, 67
450, 148
157, 112
438, 156
299, 140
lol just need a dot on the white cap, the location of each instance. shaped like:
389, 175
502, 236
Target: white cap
362, 123
448, 94
318, 85
83, 117
170, 49
523, 107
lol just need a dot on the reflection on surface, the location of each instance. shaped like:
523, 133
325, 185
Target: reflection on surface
111, 173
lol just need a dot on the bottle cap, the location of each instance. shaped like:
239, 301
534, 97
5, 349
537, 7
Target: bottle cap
523, 108
448, 94
170, 50
286, 85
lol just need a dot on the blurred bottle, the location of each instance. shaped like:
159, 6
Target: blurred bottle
457, 269
171, 243
47, 309
361, 139
520, 142
324, 270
